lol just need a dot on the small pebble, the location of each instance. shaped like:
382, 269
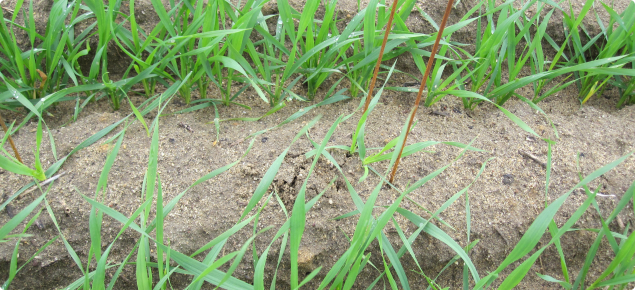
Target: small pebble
508, 179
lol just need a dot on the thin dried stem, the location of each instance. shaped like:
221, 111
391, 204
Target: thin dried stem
8, 9
448, 8
381, 54
6, 130
45, 182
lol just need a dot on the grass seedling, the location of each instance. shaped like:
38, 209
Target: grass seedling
316, 48
423, 85
319, 40
14, 165
381, 55
306, 44
12, 224
535, 232
435, 87
422, 225
358, 136
352, 262
51, 65
298, 216
135, 43
497, 44
97, 277
7, 133
182, 48
316, 63
13, 266
208, 269
105, 18
235, 47
619, 37
271, 50
15, 221
533, 47
360, 66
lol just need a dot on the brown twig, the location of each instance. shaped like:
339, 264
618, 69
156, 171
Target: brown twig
532, 157
423, 84
6, 130
8, 9
381, 54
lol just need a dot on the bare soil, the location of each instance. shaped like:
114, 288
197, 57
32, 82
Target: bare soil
504, 200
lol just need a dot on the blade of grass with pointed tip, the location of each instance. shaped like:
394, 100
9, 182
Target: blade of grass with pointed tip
190, 264
19, 217
533, 235
411, 149
362, 121
69, 248
273, 110
100, 271
95, 218
267, 179
298, 216
395, 263
521, 271
442, 236
301, 113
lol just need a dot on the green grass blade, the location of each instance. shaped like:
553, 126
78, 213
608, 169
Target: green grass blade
396, 264
298, 217
138, 115
20, 217
533, 235
267, 179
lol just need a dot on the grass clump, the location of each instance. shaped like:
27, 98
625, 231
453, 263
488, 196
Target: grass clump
213, 41
51, 62
616, 39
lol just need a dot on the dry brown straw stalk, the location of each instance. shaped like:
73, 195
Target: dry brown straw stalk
381, 54
6, 130
423, 85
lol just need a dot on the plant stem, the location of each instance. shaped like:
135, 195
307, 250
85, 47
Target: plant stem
448, 8
6, 130
381, 54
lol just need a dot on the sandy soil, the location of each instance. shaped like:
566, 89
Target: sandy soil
504, 200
